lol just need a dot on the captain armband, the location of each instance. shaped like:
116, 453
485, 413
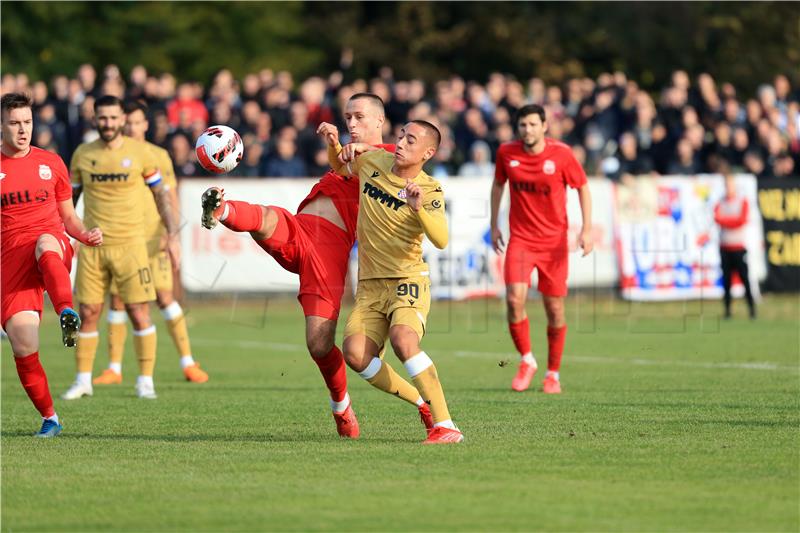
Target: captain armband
153, 180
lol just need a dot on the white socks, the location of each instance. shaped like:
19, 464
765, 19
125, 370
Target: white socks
84, 378
529, 359
339, 407
187, 360
116, 367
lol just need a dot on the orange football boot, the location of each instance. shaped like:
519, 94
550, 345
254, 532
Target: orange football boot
194, 374
108, 377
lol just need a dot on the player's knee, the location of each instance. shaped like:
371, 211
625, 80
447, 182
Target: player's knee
405, 342
46, 243
354, 356
515, 306
164, 299
554, 309
116, 303
319, 346
140, 316
23, 341
90, 314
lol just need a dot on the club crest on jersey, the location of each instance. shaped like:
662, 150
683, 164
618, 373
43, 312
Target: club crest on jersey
2, 175
401, 193
44, 172
549, 167
126, 163
513, 163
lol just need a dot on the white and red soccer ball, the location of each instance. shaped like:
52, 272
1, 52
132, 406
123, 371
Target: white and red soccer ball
219, 149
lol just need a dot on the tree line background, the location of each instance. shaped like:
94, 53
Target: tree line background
745, 43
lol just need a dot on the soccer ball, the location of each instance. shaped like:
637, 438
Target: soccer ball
219, 149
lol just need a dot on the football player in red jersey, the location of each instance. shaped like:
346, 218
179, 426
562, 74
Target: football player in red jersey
37, 215
315, 243
538, 170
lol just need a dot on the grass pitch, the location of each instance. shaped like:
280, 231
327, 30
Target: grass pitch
670, 420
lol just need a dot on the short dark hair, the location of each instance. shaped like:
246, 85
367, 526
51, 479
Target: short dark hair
529, 109
431, 129
14, 101
107, 100
376, 100
135, 105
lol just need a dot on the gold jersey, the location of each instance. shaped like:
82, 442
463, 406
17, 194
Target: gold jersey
390, 232
114, 183
153, 225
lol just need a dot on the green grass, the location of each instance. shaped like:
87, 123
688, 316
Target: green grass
671, 420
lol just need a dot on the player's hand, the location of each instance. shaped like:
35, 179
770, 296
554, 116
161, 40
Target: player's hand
93, 237
174, 249
585, 241
352, 150
498, 242
329, 132
413, 195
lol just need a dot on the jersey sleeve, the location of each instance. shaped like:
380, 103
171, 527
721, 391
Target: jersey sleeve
361, 161
75, 168
500, 176
150, 171
62, 183
574, 175
167, 170
433, 219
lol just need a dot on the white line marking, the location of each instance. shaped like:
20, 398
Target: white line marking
755, 365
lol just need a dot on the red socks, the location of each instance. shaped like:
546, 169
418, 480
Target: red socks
334, 372
56, 280
521, 335
34, 381
555, 347
242, 216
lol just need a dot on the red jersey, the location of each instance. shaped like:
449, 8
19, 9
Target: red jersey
538, 184
731, 215
344, 191
31, 188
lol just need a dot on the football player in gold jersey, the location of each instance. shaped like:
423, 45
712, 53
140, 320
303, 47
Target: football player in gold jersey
113, 171
136, 125
399, 205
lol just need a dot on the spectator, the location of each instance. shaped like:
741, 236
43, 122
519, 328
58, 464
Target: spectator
183, 158
628, 162
284, 162
186, 105
686, 162
754, 164
480, 163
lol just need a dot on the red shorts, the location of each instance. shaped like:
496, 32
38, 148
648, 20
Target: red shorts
318, 251
21, 283
552, 268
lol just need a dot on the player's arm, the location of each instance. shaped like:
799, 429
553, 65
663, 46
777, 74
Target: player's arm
168, 214
74, 225
431, 214
585, 240
75, 173
498, 243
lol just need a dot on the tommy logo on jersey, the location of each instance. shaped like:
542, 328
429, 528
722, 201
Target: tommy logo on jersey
45, 173
379, 195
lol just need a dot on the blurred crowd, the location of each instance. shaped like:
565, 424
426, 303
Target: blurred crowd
615, 128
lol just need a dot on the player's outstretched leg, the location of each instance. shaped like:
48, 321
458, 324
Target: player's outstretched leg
235, 215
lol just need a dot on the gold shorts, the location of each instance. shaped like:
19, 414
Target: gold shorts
160, 268
127, 265
386, 302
